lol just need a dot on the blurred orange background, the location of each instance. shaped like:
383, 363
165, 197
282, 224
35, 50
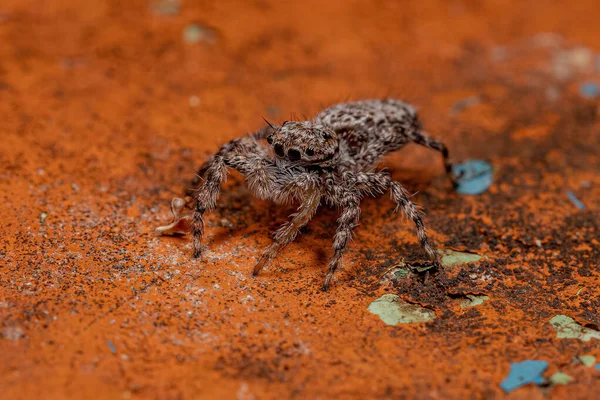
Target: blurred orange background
107, 109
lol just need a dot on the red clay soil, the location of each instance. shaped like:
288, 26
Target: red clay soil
109, 107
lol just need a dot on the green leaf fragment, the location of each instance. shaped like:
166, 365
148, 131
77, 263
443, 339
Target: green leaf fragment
567, 328
472, 301
401, 273
587, 360
400, 270
560, 378
451, 258
423, 268
394, 311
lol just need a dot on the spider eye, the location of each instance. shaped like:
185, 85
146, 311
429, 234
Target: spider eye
294, 154
270, 139
309, 152
279, 150
326, 136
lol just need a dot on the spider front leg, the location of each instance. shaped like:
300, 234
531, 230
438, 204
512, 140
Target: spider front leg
246, 144
347, 221
245, 155
206, 199
305, 185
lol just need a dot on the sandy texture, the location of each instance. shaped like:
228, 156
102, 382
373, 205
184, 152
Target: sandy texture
107, 108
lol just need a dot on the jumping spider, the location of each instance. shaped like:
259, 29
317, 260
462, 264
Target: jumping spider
329, 158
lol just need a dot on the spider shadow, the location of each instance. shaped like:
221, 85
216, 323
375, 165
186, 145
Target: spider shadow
239, 216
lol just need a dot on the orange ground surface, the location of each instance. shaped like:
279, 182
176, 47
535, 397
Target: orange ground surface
107, 110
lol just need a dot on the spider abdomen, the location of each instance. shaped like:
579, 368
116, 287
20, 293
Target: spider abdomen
372, 128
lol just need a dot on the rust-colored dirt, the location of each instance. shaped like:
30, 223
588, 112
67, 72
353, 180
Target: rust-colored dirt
107, 110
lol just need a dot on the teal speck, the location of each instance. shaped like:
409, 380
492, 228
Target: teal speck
575, 200
111, 346
475, 176
523, 373
589, 90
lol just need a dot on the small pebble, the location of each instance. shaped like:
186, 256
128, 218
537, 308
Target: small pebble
225, 222
43, 217
566, 63
581, 57
12, 333
165, 7
195, 33
547, 40
552, 93
499, 53
247, 299
194, 101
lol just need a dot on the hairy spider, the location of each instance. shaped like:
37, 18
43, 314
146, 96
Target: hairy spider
327, 159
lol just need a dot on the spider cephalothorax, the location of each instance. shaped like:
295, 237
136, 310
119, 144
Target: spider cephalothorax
305, 143
327, 159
